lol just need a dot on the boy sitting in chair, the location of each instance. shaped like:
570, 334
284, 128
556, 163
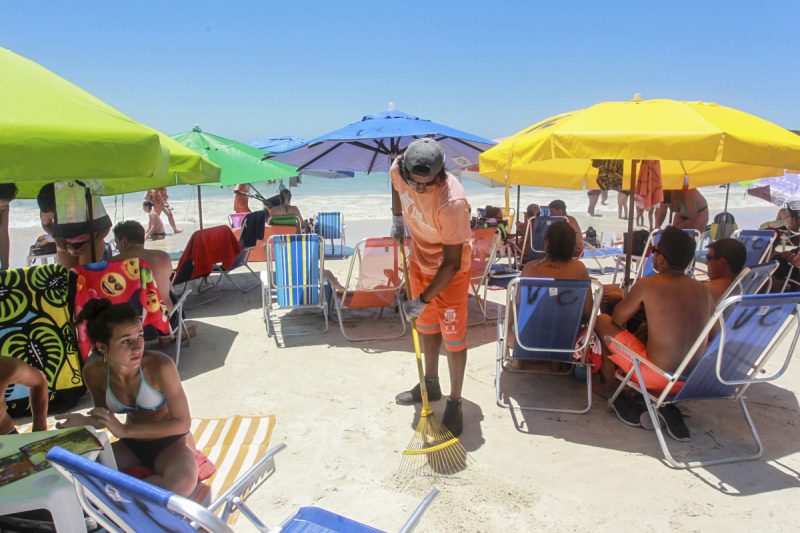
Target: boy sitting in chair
677, 308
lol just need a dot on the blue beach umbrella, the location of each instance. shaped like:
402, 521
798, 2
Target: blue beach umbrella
284, 144
371, 144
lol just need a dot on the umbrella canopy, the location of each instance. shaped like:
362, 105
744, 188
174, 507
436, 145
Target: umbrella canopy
52, 130
371, 144
239, 162
708, 143
779, 190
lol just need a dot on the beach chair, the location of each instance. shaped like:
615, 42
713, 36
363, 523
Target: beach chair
294, 277
36, 327
373, 282
646, 265
330, 226
119, 502
206, 249
751, 279
757, 242
252, 231
752, 327
485, 242
596, 254
546, 326
533, 242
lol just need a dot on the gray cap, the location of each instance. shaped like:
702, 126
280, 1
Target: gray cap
424, 157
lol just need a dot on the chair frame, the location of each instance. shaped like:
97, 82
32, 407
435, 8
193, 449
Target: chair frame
339, 302
656, 401
177, 332
481, 282
505, 349
735, 287
239, 262
527, 240
269, 286
767, 249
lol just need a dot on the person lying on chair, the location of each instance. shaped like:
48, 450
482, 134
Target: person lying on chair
124, 378
677, 308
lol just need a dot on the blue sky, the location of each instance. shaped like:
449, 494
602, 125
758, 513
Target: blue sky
255, 69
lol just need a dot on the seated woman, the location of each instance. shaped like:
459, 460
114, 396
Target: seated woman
558, 263
286, 209
123, 378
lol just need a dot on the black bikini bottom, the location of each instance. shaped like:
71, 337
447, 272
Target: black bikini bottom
147, 450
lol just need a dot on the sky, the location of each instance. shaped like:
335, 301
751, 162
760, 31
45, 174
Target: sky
247, 70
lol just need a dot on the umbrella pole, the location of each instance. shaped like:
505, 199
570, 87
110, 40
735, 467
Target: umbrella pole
200, 205
725, 216
631, 216
90, 216
517, 213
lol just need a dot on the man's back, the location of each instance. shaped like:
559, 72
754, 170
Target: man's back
677, 309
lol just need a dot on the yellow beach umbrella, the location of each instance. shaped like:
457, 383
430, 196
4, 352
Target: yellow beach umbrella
697, 144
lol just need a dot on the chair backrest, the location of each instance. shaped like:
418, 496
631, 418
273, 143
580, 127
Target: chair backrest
484, 249
329, 224
757, 242
374, 274
751, 279
535, 230
646, 267
548, 317
751, 326
36, 327
121, 502
206, 248
298, 266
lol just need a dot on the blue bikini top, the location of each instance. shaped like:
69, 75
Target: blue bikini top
147, 398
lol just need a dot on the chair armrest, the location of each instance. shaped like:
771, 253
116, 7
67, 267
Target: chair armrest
177, 306
248, 482
412, 520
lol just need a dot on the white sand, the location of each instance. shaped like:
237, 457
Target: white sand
334, 402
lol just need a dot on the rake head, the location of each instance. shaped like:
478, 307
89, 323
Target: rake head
433, 451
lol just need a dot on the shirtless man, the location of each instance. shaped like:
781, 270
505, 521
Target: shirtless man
677, 309
559, 209
155, 228
15, 371
725, 260
690, 208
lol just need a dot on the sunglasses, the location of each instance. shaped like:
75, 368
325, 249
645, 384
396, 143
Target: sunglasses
406, 175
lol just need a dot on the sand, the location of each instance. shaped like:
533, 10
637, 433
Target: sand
334, 402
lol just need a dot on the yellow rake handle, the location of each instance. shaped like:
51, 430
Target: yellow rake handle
426, 409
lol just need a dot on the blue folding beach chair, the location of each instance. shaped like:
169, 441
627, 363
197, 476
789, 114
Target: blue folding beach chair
119, 502
547, 323
294, 277
330, 226
757, 242
646, 266
752, 327
751, 279
533, 241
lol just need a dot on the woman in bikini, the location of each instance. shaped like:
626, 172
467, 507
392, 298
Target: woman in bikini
286, 208
691, 210
123, 378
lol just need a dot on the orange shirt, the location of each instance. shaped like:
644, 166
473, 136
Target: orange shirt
438, 216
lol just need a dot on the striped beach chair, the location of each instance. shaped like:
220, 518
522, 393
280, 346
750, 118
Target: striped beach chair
293, 279
751, 329
121, 503
330, 226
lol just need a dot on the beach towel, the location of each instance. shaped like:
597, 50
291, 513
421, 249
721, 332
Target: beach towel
206, 248
36, 327
648, 185
120, 281
253, 229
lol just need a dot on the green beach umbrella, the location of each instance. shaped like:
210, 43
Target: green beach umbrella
239, 162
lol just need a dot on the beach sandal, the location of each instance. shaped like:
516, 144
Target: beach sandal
629, 409
410, 397
205, 468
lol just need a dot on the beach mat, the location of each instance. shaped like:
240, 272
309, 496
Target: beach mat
232, 444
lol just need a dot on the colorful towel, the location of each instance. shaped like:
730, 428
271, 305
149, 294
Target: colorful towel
36, 327
206, 248
121, 281
649, 191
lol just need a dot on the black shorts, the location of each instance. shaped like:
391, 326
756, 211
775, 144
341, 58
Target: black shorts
147, 450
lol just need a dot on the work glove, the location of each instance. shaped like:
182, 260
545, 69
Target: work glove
412, 308
398, 229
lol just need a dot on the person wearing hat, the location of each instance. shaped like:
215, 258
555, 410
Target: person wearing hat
433, 205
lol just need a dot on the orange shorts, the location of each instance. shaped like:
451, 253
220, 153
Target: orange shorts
447, 313
653, 381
